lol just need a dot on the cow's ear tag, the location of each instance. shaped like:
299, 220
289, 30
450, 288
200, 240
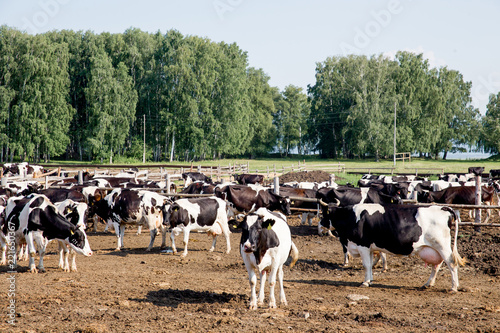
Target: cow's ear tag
269, 226
72, 233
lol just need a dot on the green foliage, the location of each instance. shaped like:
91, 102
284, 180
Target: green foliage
490, 134
96, 96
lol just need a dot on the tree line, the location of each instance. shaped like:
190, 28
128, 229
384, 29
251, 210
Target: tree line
85, 96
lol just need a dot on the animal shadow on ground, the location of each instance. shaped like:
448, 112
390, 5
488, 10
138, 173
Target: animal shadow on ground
174, 297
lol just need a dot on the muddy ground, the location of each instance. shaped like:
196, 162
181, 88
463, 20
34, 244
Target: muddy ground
136, 291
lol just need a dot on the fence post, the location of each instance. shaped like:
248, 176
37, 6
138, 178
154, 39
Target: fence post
477, 172
80, 177
4, 181
46, 182
169, 182
277, 185
274, 166
332, 179
267, 172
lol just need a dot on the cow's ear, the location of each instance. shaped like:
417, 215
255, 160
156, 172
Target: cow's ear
268, 224
234, 224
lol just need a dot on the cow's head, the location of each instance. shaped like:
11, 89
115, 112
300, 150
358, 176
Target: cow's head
257, 236
285, 204
79, 242
328, 210
175, 215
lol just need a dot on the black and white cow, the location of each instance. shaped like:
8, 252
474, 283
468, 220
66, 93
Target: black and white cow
265, 245
401, 230
248, 178
35, 219
198, 214
248, 198
190, 177
128, 206
76, 213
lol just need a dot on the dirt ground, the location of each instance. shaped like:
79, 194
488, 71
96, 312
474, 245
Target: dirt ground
136, 291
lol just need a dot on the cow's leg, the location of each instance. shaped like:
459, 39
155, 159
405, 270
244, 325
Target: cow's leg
282, 288
96, 220
163, 237
263, 277
73, 260
172, 240
152, 233
3, 245
367, 259
41, 249
252, 278
119, 243
32, 252
63, 256
432, 278
227, 234
272, 284
186, 241
139, 229
303, 219
214, 236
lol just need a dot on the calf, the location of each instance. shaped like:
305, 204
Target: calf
200, 214
401, 230
265, 245
36, 219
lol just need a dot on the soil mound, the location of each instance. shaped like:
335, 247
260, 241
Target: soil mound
305, 176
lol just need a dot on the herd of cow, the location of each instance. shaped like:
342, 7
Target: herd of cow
368, 219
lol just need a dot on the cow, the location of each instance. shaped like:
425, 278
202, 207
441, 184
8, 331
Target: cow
302, 193
35, 219
248, 178
74, 212
265, 245
199, 187
248, 198
128, 206
346, 195
61, 194
198, 214
401, 230
190, 177
463, 195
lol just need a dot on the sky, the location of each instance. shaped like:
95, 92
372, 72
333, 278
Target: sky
287, 38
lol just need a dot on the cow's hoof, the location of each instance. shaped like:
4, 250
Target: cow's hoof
73, 269
365, 284
34, 270
272, 305
253, 306
183, 255
211, 249
453, 291
227, 252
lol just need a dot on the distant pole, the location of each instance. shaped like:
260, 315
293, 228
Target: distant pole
144, 130
394, 134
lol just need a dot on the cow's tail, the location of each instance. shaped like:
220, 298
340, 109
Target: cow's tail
457, 259
294, 253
